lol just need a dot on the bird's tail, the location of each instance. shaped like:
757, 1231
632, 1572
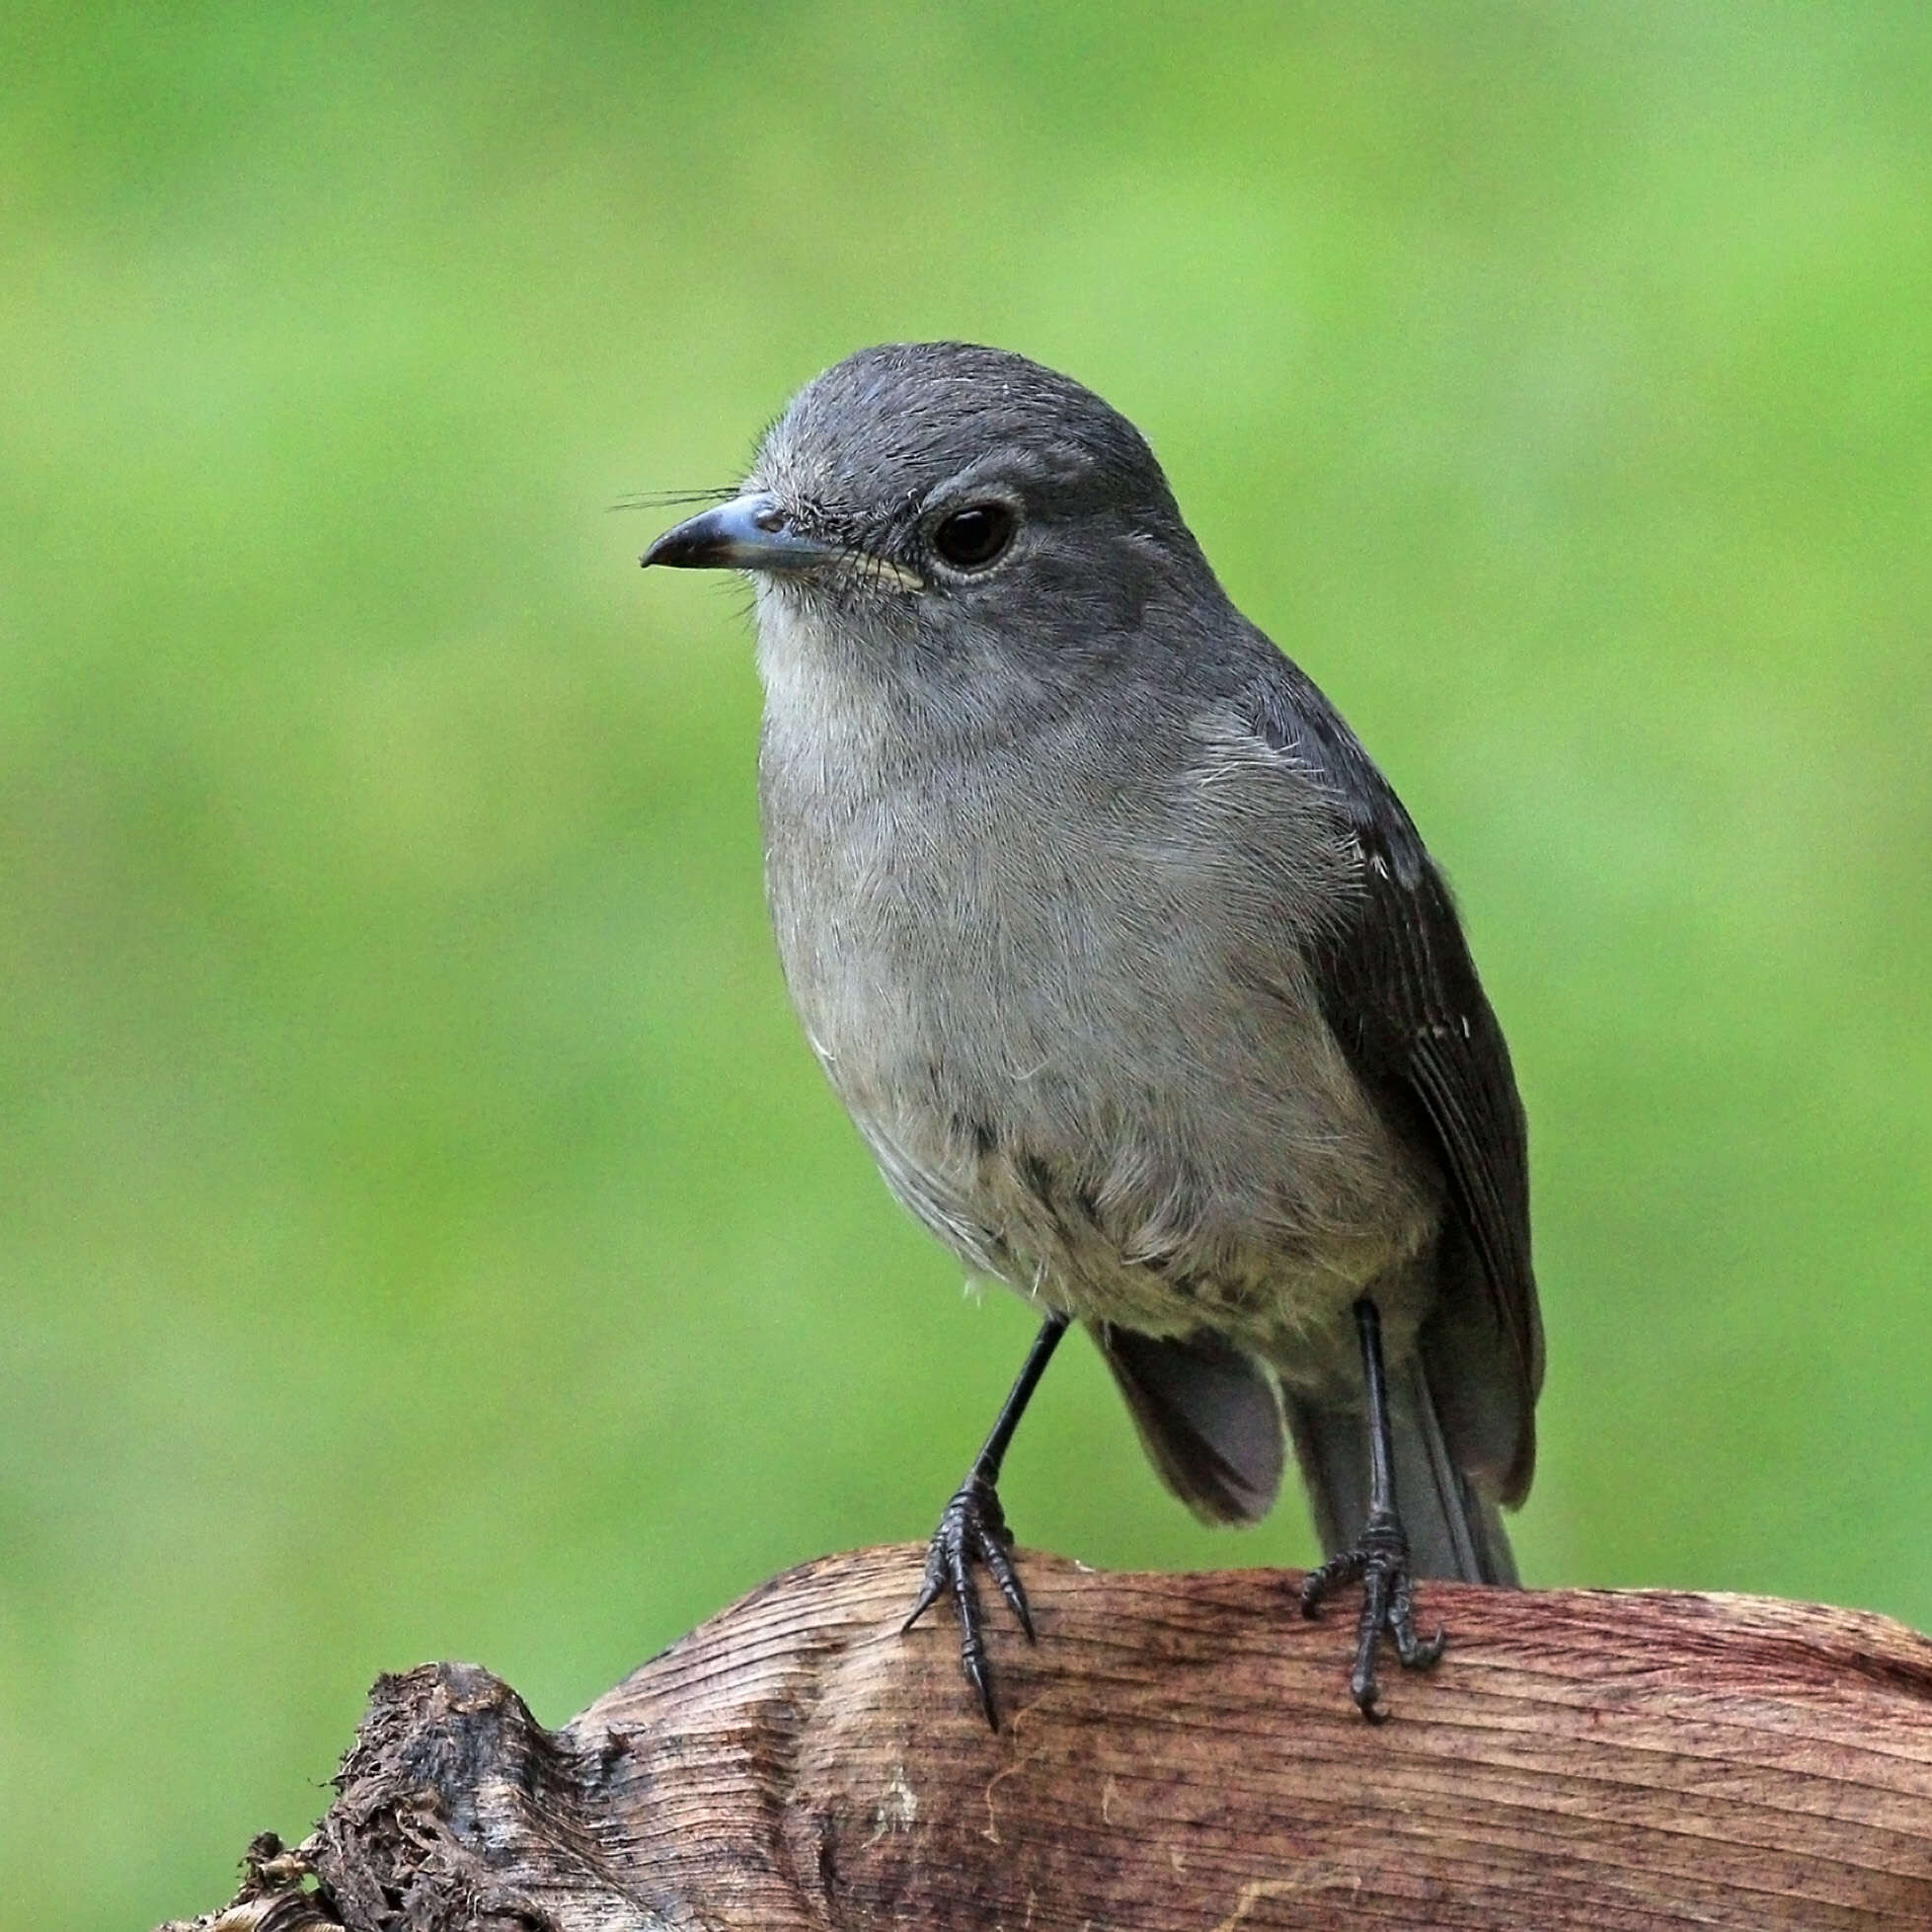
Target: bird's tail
1453, 1530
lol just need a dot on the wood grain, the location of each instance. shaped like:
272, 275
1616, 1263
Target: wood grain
1179, 1752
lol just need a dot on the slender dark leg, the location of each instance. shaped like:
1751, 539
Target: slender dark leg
973, 1525
1381, 1558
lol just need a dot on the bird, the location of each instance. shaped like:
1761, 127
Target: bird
1134, 975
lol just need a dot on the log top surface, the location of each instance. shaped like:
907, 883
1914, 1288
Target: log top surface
1178, 1751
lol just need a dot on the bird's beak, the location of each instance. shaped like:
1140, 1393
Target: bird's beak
749, 533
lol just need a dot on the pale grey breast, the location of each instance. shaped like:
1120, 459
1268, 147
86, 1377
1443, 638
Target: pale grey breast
1217, 1160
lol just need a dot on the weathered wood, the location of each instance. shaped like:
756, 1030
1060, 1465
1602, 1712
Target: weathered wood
1179, 1752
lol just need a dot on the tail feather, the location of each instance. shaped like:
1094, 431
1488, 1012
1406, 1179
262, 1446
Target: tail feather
1208, 1416
1453, 1530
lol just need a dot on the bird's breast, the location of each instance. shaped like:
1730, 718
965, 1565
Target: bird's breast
1082, 1050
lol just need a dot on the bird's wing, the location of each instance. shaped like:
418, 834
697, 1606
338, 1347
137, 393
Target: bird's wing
1400, 993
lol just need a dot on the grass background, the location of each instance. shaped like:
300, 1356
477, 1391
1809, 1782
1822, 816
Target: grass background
423, 1230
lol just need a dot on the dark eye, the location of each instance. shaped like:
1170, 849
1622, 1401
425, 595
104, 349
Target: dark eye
973, 537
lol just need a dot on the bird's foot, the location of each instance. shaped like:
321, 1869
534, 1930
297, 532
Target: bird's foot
973, 1529
1381, 1561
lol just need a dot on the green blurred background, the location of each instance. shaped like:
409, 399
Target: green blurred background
424, 1231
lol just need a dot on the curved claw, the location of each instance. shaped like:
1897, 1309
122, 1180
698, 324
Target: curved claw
1381, 1562
999, 1566
972, 1528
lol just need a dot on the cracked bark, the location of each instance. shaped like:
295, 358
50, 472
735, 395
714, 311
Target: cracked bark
1177, 1753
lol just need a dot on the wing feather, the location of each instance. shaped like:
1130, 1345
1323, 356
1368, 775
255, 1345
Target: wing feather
1401, 996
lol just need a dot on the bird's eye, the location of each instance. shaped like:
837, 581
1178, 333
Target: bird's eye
971, 538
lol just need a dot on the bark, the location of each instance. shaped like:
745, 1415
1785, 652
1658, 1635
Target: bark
1177, 1752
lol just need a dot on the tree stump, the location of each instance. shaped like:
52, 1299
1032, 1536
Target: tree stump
1178, 1751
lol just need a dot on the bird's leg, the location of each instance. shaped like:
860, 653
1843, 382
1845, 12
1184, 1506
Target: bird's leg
1381, 1559
974, 1526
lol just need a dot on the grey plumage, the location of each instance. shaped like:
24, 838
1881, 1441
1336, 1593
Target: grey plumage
1128, 963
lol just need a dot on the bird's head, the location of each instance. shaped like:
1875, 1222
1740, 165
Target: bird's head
936, 489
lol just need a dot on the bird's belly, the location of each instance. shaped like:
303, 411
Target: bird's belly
1273, 1269
1091, 1104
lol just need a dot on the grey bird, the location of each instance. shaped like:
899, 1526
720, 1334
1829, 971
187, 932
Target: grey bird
1133, 974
